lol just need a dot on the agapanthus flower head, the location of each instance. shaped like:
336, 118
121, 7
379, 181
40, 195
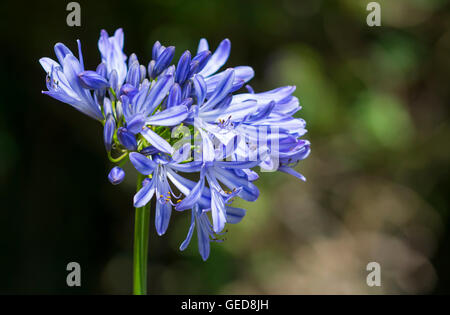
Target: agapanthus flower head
176, 120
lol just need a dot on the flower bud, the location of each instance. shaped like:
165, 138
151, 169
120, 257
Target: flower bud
132, 59
163, 61
150, 67
119, 111
157, 50
202, 58
108, 131
183, 67
107, 107
142, 72
174, 97
116, 175
127, 139
134, 75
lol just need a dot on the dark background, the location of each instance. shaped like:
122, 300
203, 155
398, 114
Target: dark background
376, 103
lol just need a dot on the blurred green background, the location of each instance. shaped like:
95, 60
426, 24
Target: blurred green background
376, 103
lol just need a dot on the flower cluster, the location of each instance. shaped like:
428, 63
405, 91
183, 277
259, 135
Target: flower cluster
170, 120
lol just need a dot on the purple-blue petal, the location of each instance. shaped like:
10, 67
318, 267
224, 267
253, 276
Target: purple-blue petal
172, 116
144, 195
162, 217
92, 80
196, 192
142, 164
163, 61
222, 89
218, 59
156, 141
174, 97
234, 215
135, 124
200, 88
127, 139
186, 242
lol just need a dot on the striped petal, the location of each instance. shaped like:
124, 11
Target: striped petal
142, 164
158, 142
169, 117
218, 59
144, 195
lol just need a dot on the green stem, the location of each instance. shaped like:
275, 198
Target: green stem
116, 160
141, 228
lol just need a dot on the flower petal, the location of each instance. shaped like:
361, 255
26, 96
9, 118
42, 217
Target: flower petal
48, 64
108, 131
202, 45
249, 191
134, 75
127, 139
196, 192
156, 141
235, 215
162, 217
163, 61
203, 236
169, 117
200, 88
186, 242
183, 67
135, 124
218, 59
217, 211
222, 89
92, 80
174, 97
72, 68
288, 170
157, 93
61, 51
142, 164
144, 195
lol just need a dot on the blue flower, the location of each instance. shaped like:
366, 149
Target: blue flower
216, 198
111, 50
140, 112
205, 233
64, 83
145, 109
159, 167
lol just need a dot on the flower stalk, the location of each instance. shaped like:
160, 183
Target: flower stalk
140, 251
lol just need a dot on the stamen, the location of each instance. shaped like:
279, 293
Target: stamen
222, 123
